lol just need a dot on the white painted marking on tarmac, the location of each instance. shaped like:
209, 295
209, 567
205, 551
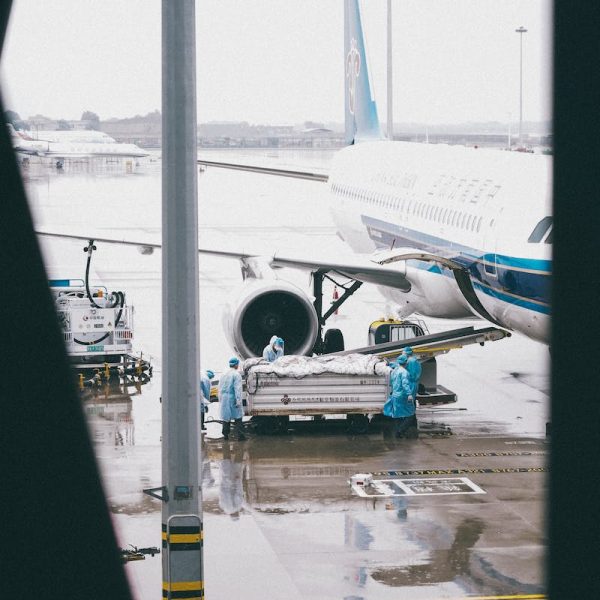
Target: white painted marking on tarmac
446, 486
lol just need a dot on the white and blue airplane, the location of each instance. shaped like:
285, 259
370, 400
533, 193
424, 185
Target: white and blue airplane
443, 231
72, 144
468, 230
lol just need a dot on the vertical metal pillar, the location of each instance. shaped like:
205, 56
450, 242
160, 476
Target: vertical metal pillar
390, 89
182, 535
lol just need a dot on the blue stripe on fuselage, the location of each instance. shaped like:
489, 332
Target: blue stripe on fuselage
520, 281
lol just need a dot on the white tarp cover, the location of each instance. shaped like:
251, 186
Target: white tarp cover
301, 366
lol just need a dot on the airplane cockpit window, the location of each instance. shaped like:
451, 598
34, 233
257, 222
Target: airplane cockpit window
540, 230
548, 239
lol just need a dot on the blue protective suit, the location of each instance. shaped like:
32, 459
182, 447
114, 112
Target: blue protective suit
398, 404
413, 366
204, 391
270, 353
230, 395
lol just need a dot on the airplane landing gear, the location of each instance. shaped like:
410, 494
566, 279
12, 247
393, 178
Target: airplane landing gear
333, 341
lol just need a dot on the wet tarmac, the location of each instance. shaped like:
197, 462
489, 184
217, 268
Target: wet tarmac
280, 515
281, 519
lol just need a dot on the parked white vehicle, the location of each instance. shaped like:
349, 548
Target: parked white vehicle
97, 329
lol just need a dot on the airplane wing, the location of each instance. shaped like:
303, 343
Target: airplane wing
357, 267
363, 268
323, 177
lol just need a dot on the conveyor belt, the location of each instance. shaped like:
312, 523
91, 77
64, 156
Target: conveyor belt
432, 344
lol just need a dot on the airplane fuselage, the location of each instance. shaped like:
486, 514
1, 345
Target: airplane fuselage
74, 144
487, 210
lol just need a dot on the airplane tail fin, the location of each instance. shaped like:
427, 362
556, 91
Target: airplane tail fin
361, 118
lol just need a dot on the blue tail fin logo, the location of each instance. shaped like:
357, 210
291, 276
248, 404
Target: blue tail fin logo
352, 73
361, 118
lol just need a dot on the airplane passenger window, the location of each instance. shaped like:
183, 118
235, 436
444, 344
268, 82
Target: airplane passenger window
479, 224
493, 191
540, 230
469, 222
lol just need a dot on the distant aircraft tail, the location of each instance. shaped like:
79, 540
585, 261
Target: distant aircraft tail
361, 119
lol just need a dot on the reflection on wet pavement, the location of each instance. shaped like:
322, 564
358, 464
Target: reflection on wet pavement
445, 564
291, 492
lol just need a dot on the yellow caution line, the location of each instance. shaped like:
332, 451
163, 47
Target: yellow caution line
182, 586
183, 538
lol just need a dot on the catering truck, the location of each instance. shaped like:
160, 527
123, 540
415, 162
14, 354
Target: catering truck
354, 383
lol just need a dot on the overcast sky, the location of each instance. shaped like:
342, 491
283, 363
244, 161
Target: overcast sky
281, 61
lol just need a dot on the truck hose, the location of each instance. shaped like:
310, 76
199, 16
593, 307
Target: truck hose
119, 297
89, 249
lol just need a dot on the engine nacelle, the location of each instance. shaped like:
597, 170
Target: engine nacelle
265, 308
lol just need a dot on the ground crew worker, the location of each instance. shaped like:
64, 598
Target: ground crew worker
230, 398
400, 405
274, 349
205, 377
413, 366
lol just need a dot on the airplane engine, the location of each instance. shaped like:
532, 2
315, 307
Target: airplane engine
265, 308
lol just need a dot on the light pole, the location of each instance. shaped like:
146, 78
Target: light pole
521, 31
390, 93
